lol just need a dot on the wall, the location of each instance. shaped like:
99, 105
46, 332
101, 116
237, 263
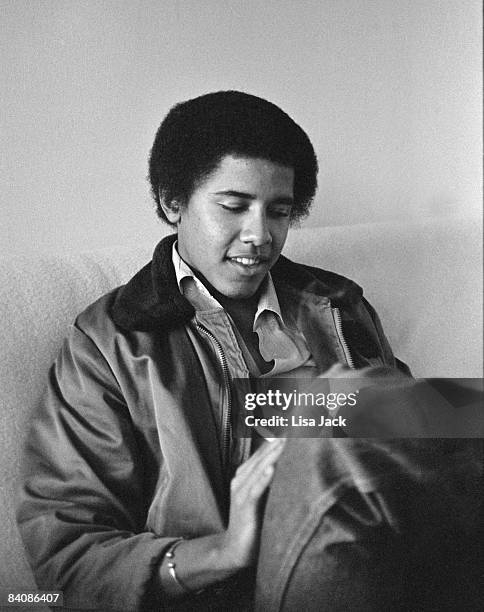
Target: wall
389, 91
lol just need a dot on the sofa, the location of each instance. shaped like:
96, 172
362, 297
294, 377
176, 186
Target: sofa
424, 278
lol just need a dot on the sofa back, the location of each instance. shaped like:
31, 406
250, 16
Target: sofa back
424, 279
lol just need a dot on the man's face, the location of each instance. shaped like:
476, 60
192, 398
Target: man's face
235, 224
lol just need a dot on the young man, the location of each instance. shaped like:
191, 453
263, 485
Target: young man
137, 492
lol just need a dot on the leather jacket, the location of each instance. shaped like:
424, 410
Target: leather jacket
123, 454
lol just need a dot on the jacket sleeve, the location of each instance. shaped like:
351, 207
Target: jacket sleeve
387, 350
82, 507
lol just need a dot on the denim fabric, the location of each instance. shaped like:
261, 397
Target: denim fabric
370, 525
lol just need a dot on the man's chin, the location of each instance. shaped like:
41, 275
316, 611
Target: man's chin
240, 291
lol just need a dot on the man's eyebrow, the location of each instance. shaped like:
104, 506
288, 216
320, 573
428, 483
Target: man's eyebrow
285, 200
236, 194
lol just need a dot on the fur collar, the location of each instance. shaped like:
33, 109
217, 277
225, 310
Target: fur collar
151, 299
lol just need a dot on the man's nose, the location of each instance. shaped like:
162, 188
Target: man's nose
256, 230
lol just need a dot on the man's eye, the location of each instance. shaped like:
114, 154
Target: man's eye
235, 208
280, 212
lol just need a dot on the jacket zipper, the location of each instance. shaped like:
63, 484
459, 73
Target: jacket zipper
339, 330
226, 426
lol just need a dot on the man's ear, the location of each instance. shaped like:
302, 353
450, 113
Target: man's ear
171, 210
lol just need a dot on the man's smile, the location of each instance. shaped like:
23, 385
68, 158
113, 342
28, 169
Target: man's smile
250, 264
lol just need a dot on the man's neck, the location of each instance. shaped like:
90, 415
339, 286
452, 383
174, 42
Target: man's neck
242, 310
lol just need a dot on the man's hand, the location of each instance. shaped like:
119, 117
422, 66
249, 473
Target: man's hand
241, 540
392, 405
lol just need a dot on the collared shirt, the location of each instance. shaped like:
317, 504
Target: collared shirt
279, 341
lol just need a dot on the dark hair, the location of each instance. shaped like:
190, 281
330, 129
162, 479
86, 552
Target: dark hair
196, 134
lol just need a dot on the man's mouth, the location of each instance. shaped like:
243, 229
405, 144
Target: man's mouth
249, 263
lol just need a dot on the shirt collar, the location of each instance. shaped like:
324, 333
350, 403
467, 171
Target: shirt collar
183, 271
267, 299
